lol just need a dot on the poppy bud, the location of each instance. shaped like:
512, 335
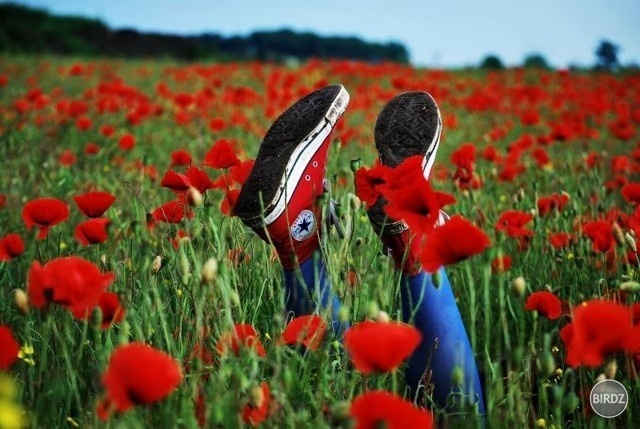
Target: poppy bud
600, 378
354, 202
96, 317
630, 286
372, 310
618, 234
518, 285
631, 242
355, 164
436, 278
570, 402
156, 265
183, 267
541, 423
611, 369
343, 314
340, 412
234, 297
256, 396
382, 317
457, 376
103, 259
209, 270
21, 300
519, 196
194, 197
548, 364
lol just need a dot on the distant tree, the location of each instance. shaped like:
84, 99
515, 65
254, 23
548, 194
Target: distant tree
492, 62
536, 61
607, 56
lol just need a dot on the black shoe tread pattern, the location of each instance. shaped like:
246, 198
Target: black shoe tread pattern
279, 143
405, 127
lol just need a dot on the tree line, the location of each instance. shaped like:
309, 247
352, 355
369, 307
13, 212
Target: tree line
28, 30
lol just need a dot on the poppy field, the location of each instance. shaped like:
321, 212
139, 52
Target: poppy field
132, 297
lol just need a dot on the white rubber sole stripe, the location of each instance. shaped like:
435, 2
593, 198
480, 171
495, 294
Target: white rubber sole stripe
430, 156
303, 154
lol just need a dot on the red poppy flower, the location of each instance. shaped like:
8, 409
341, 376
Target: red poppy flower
380, 347
112, 311
171, 212
601, 235
490, 153
67, 158
229, 202
44, 213
545, 303
175, 241
91, 148
510, 171
598, 329
452, 242
175, 181
71, 281
512, 223
180, 158
416, 204
367, 182
83, 123
93, 231
221, 155
560, 240
501, 264
138, 375
552, 202
464, 156
631, 193
242, 336
307, 330
199, 179
240, 172
257, 410
94, 204
217, 124
9, 348
540, 156
634, 221
406, 172
11, 246
127, 142
107, 130
379, 408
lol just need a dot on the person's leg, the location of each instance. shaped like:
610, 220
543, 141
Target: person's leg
444, 353
410, 124
279, 199
311, 281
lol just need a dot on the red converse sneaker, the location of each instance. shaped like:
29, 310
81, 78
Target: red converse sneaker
410, 124
279, 198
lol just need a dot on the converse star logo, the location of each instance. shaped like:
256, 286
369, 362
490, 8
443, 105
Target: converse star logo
303, 226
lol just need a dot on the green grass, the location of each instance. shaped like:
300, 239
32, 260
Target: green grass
520, 354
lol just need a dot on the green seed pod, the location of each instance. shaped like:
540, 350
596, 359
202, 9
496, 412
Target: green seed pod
457, 376
436, 278
571, 402
355, 164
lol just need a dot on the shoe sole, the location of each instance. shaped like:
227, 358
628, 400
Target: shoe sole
287, 148
410, 124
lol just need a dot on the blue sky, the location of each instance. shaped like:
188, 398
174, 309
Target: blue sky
439, 33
